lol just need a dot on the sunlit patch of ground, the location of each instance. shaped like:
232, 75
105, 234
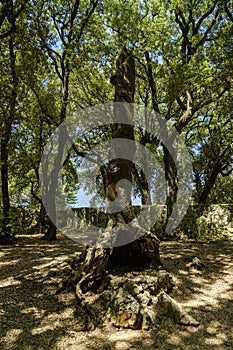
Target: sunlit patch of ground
34, 317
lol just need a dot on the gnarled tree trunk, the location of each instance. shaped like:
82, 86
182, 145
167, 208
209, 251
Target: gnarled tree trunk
144, 250
90, 270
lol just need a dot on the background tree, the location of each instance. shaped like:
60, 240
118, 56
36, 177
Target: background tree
9, 14
62, 57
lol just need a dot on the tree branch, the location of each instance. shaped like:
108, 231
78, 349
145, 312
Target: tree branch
187, 115
228, 12
204, 38
152, 83
11, 19
199, 23
86, 19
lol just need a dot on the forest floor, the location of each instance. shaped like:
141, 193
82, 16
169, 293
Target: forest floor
33, 316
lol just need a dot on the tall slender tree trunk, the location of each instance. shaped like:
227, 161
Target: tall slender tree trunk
5, 140
169, 165
209, 184
171, 183
52, 185
51, 234
4, 180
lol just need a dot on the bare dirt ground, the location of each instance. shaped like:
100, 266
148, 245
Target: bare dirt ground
33, 316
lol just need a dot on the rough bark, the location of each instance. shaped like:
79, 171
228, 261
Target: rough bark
92, 265
118, 169
144, 250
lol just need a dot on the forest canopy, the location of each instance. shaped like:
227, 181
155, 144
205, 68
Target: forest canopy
59, 57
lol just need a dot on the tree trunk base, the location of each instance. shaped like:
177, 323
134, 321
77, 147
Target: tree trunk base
91, 273
90, 267
141, 253
7, 239
51, 234
135, 300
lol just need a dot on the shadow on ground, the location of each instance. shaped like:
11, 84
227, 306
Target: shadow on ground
34, 317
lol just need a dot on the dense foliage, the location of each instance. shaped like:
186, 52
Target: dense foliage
57, 57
